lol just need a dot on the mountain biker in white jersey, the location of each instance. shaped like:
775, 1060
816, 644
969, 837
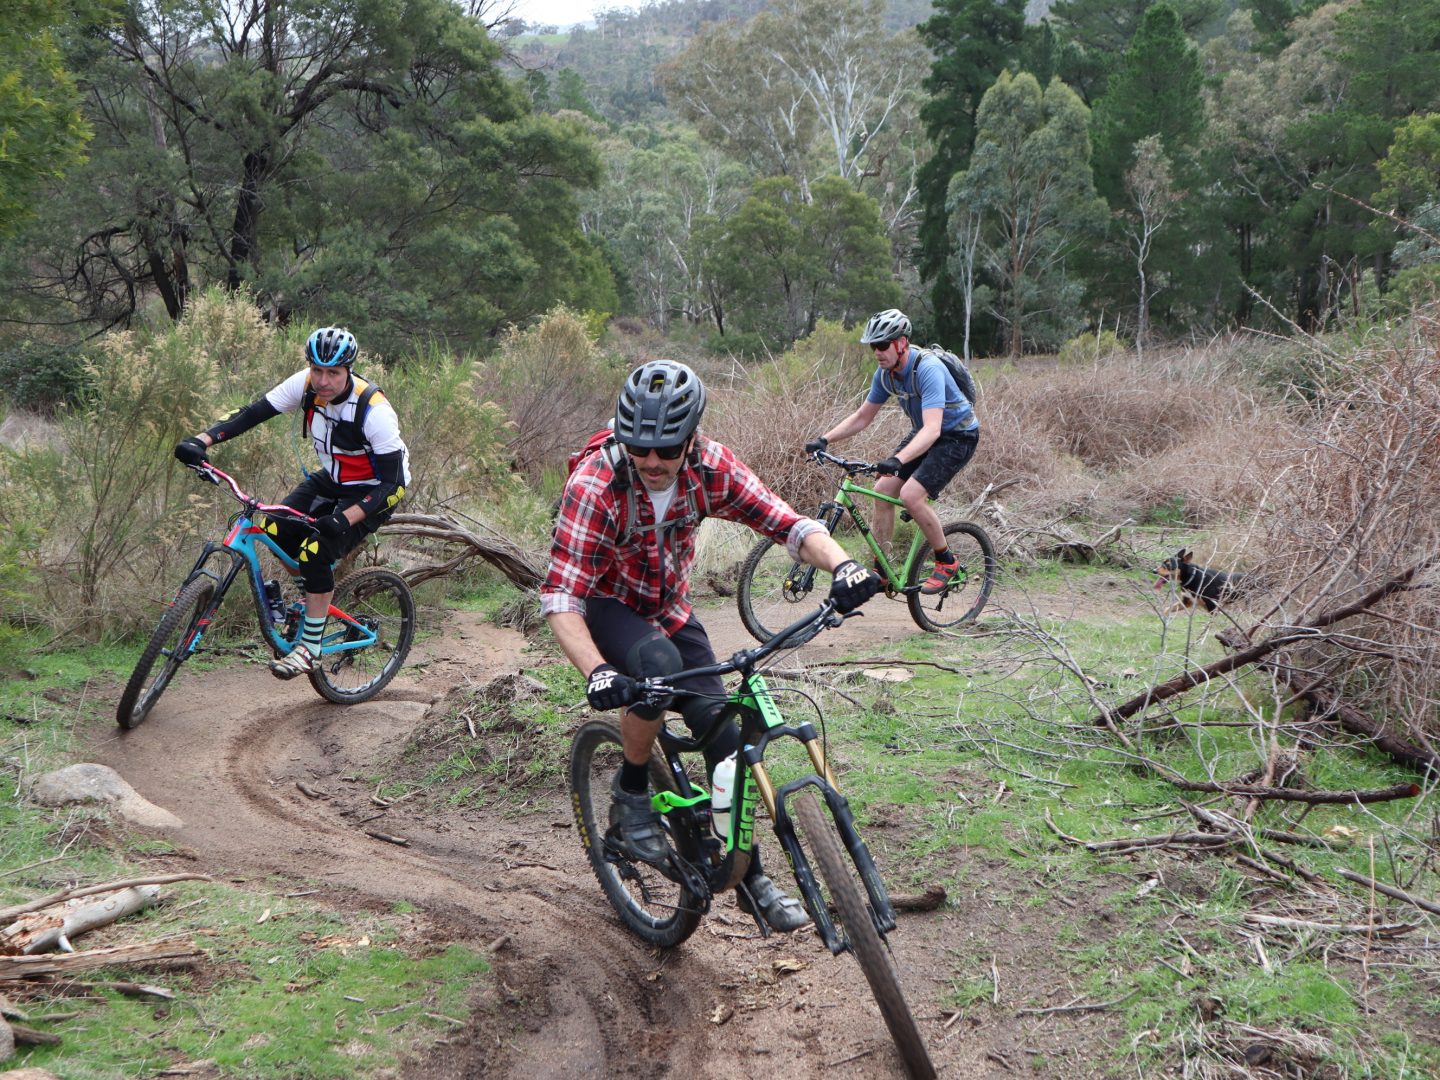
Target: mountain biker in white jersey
364, 470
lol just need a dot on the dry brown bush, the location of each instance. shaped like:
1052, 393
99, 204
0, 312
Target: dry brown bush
555, 387
1357, 508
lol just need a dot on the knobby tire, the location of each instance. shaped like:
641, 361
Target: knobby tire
766, 606
380, 599
959, 603
170, 641
658, 911
870, 952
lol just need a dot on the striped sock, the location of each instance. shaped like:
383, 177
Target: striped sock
313, 633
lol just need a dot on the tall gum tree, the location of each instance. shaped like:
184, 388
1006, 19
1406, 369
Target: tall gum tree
1030, 183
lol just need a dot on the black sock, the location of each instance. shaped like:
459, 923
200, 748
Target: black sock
635, 778
945, 555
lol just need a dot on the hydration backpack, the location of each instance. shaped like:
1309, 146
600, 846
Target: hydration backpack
958, 371
623, 480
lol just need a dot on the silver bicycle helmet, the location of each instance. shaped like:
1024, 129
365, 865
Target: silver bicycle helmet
332, 346
885, 326
660, 405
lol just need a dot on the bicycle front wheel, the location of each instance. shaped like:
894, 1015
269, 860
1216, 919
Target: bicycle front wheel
966, 593
771, 585
378, 602
852, 907
655, 909
169, 646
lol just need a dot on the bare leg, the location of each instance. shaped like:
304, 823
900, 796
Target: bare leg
637, 736
883, 523
917, 501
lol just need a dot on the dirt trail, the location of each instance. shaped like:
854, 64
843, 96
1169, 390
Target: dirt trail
574, 995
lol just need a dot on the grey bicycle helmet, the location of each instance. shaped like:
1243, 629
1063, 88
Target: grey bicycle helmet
885, 326
660, 405
332, 346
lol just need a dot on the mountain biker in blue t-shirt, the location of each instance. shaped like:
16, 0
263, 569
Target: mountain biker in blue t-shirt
943, 436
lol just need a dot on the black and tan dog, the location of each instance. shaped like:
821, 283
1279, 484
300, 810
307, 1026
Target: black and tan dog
1209, 587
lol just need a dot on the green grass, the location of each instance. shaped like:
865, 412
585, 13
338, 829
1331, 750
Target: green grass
302, 994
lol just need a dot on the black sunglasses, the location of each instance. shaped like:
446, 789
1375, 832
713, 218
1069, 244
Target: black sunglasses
881, 346
664, 453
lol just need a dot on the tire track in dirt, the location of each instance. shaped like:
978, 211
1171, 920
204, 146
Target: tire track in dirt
573, 994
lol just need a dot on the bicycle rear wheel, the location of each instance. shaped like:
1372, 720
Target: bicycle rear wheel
655, 909
965, 595
173, 640
817, 834
379, 601
771, 585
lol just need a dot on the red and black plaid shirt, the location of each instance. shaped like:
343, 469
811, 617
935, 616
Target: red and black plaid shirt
596, 553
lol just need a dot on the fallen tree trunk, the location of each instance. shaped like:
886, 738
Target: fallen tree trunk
501, 554
24, 967
93, 890
1258, 791
53, 927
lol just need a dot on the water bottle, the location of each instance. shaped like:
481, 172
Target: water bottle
722, 795
275, 602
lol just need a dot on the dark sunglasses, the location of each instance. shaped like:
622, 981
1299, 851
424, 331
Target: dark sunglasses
664, 453
881, 346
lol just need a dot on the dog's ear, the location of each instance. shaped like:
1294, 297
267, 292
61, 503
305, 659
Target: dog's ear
1187, 556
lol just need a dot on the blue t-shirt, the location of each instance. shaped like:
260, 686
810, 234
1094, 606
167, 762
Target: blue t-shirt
922, 385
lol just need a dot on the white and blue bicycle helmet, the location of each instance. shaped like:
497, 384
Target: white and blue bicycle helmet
331, 346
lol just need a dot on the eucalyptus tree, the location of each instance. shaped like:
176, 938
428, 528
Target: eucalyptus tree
365, 158
1029, 183
785, 261
971, 42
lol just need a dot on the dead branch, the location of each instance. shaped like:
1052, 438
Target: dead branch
1290, 636
932, 899
1257, 791
26, 1036
504, 556
1327, 705
1390, 891
24, 967
53, 927
92, 890
1378, 929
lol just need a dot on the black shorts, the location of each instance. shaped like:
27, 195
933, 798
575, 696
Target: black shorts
317, 497
936, 467
617, 630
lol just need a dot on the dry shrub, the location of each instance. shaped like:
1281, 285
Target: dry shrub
1117, 410
766, 412
1357, 509
555, 387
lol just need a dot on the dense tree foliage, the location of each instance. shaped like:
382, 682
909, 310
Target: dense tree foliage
42, 131
363, 160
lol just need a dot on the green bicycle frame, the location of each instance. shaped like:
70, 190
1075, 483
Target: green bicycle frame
834, 511
762, 723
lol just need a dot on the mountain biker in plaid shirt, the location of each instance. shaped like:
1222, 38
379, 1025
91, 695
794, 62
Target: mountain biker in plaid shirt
617, 592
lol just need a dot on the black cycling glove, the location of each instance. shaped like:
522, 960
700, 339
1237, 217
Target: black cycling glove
190, 451
332, 526
889, 467
852, 586
609, 689
817, 444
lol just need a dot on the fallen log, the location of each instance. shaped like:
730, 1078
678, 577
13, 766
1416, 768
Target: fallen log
24, 967
1328, 706
501, 554
53, 927
93, 890
1316, 798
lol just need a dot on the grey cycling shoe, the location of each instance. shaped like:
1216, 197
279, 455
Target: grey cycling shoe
783, 913
635, 826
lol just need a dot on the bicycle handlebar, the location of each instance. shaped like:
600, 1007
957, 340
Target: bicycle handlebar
852, 466
213, 474
658, 690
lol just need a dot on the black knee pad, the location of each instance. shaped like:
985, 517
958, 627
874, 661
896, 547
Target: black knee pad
652, 656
